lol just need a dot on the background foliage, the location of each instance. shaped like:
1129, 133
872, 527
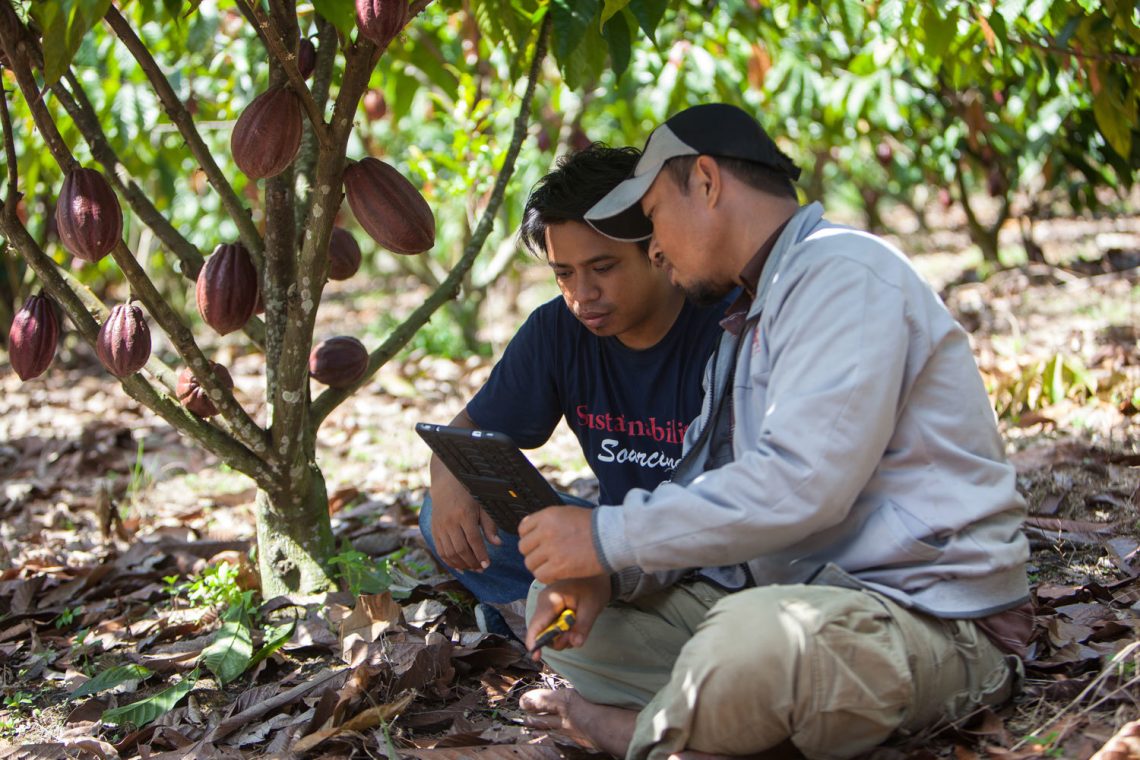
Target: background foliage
1032, 102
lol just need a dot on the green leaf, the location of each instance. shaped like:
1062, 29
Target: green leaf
852, 12
274, 644
1056, 388
649, 14
1011, 10
64, 24
146, 710
500, 24
570, 22
586, 62
230, 652
399, 91
441, 75
112, 677
617, 34
610, 8
339, 13
940, 31
890, 15
1115, 117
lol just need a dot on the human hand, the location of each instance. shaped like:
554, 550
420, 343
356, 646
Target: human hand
558, 543
458, 524
586, 596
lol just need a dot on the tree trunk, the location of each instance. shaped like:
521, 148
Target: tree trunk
294, 538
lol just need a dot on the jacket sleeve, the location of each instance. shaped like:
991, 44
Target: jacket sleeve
822, 408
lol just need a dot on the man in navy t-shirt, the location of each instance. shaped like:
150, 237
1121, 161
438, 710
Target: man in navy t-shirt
619, 355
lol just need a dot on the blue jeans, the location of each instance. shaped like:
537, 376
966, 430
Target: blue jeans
506, 579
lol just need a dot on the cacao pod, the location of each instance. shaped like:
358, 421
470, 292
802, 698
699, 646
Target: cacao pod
374, 105
227, 288
33, 337
124, 341
194, 397
267, 135
389, 207
87, 215
884, 153
381, 20
344, 254
306, 57
338, 362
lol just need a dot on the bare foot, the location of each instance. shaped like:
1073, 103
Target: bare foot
784, 751
589, 725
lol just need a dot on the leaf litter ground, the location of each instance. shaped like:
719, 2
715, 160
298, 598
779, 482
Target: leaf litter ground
121, 546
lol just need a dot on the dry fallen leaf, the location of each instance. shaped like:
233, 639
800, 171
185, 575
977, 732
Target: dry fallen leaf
373, 614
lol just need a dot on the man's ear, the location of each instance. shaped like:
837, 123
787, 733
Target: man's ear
707, 179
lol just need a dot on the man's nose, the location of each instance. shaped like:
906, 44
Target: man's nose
586, 289
656, 255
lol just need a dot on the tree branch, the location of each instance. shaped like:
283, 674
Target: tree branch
1131, 61
181, 118
20, 61
306, 162
449, 289
505, 252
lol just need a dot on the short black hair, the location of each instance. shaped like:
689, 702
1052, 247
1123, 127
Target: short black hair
579, 180
757, 176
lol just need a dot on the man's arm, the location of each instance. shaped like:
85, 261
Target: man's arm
458, 524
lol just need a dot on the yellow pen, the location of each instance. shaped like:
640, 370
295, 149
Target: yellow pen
560, 626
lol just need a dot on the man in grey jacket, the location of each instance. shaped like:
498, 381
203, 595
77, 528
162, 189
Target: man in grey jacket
838, 557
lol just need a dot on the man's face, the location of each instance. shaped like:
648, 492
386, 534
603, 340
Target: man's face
679, 242
610, 286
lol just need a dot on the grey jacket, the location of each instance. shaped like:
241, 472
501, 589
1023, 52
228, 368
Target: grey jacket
863, 449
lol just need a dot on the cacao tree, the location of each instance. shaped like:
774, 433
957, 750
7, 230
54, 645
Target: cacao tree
291, 145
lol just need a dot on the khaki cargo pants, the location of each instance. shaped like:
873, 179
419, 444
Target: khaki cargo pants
836, 671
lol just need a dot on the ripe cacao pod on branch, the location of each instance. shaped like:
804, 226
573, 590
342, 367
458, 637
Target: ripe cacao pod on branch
227, 288
33, 337
344, 254
194, 397
381, 20
389, 207
267, 135
124, 341
338, 362
87, 215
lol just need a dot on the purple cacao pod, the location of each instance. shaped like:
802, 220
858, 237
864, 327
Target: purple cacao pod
192, 396
381, 20
338, 362
33, 337
267, 135
87, 215
344, 254
124, 341
227, 289
389, 207
306, 57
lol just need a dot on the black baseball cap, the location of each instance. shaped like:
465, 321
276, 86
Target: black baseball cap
712, 129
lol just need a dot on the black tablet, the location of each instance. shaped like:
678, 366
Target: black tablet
493, 470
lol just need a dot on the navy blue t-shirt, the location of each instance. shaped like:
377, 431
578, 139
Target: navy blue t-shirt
629, 408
